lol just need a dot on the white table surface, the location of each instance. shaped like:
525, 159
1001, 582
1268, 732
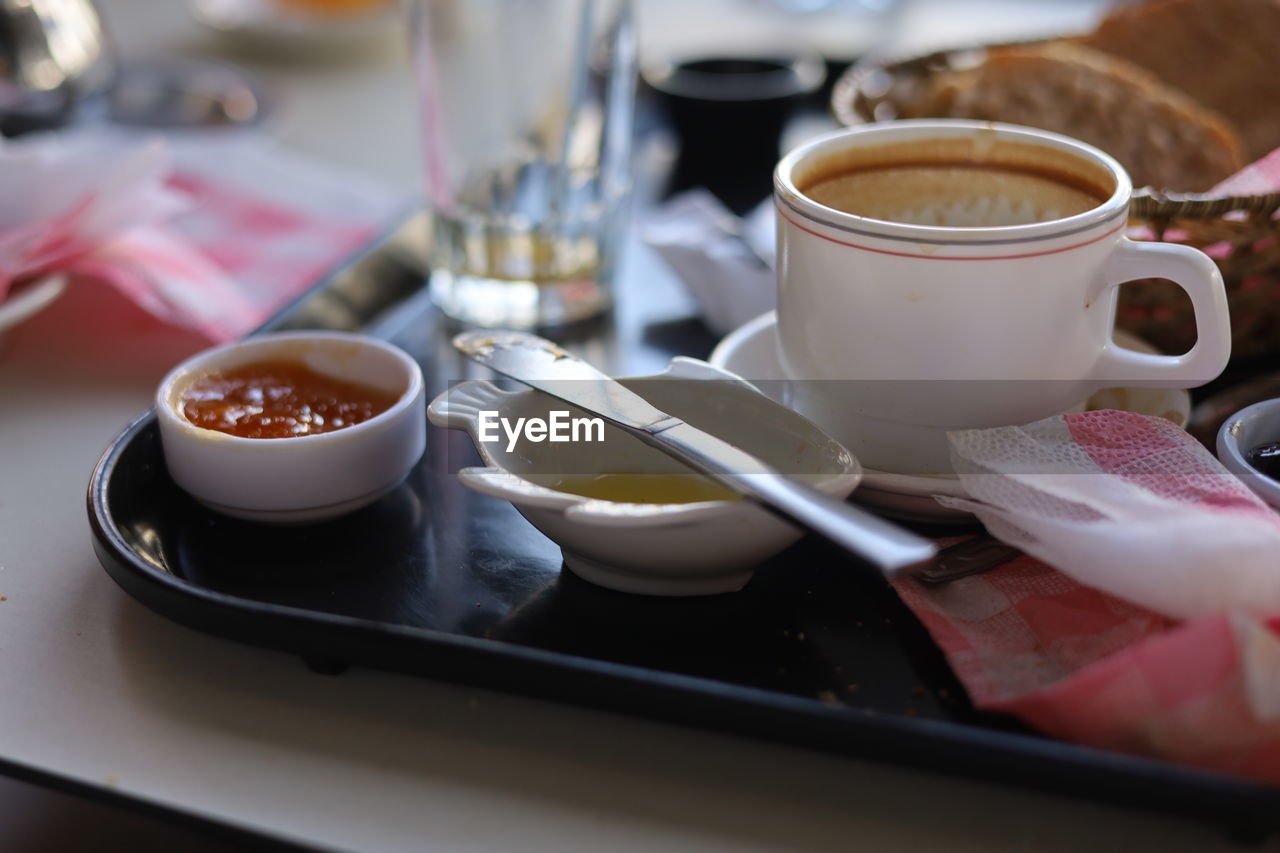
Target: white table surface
96, 688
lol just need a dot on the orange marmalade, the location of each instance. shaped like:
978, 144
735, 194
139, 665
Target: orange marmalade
279, 399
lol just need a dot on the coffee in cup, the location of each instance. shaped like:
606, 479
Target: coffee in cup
952, 195
937, 275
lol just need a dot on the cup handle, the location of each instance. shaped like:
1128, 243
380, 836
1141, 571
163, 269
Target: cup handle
1197, 274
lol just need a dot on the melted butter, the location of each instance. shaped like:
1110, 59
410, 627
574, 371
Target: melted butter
641, 488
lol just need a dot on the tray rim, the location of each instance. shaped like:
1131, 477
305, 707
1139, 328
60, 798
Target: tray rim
949, 747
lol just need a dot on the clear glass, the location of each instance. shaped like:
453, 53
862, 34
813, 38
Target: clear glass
527, 110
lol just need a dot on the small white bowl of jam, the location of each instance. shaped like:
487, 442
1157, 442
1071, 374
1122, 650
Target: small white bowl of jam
627, 516
292, 427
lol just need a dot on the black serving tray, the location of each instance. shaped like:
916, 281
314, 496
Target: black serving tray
437, 581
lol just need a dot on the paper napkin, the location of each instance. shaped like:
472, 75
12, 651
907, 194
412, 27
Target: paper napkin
1146, 616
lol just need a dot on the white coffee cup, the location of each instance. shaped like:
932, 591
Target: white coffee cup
894, 333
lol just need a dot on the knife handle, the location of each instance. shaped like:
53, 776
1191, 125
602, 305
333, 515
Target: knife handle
886, 546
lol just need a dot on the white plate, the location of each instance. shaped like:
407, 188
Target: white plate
752, 352
30, 299
271, 26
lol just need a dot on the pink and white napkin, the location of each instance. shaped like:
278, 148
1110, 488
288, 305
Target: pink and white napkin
212, 235
63, 199
1146, 614
1258, 178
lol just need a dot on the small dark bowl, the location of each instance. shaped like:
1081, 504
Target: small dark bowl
1246, 429
729, 113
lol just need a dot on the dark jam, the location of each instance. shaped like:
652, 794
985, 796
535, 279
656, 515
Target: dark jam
1266, 458
279, 399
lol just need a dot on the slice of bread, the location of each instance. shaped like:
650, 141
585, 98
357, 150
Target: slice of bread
1164, 138
1223, 53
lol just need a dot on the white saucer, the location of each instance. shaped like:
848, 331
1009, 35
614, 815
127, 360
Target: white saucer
752, 352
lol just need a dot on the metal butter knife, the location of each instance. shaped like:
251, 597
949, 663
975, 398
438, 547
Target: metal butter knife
542, 364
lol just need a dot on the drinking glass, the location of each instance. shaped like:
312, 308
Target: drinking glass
527, 110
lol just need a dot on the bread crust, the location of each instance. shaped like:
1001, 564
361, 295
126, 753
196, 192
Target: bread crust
1161, 136
1223, 53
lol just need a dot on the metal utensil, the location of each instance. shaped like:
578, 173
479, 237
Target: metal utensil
963, 559
184, 93
542, 364
53, 55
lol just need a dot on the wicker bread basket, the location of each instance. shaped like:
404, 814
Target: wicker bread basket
1241, 233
